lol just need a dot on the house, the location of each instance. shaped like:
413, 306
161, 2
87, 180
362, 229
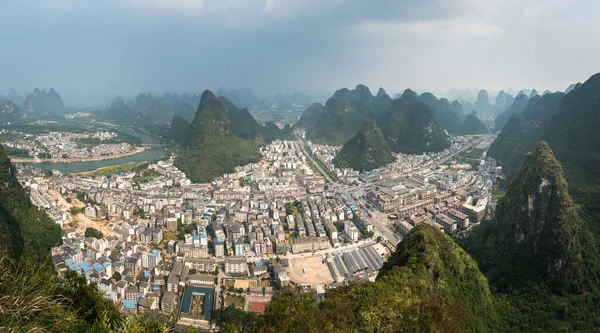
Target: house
236, 265
169, 302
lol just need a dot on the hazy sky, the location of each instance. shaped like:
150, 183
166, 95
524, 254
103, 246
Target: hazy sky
105, 47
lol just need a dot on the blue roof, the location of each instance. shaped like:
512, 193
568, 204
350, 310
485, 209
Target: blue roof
147, 273
85, 266
153, 253
129, 304
259, 264
69, 261
98, 267
75, 267
107, 263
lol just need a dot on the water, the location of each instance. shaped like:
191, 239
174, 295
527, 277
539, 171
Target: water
155, 152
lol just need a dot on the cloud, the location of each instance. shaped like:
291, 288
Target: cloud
455, 28
186, 5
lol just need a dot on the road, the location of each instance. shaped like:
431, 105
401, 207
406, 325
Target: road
316, 163
380, 222
449, 157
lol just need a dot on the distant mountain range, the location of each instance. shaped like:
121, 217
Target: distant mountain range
409, 124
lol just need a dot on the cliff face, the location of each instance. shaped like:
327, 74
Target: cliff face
537, 237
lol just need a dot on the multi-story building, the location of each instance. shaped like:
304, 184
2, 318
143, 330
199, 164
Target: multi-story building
236, 265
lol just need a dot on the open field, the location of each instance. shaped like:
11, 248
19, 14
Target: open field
316, 271
237, 301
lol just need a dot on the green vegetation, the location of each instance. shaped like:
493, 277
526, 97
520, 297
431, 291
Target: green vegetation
408, 124
472, 125
538, 237
144, 176
25, 231
212, 149
367, 150
234, 300
448, 115
339, 122
311, 116
75, 210
428, 285
539, 254
471, 156
95, 233
115, 169
35, 300
16, 152
519, 105
343, 115
410, 127
179, 131
271, 132
523, 131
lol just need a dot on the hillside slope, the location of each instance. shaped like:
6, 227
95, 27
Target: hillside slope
367, 150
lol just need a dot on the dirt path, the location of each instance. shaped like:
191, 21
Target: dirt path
82, 221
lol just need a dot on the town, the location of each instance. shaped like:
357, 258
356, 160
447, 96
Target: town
66, 145
153, 241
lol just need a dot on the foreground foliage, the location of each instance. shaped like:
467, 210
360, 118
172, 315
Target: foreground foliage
428, 285
33, 299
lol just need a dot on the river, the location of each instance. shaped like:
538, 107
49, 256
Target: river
155, 152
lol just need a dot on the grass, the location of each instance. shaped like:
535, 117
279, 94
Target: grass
498, 193
113, 169
237, 301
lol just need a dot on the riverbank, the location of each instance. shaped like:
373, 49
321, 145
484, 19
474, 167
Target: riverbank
110, 169
16, 159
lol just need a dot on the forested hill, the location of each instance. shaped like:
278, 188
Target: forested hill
409, 124
538, 237
211, 148
367, 150
25, 231
523, 131
428, 285
473, 125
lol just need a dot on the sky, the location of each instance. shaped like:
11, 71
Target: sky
122, 47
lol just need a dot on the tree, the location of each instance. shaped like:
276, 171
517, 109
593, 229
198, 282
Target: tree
192, 271
74, 210
91, 232
117, 276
